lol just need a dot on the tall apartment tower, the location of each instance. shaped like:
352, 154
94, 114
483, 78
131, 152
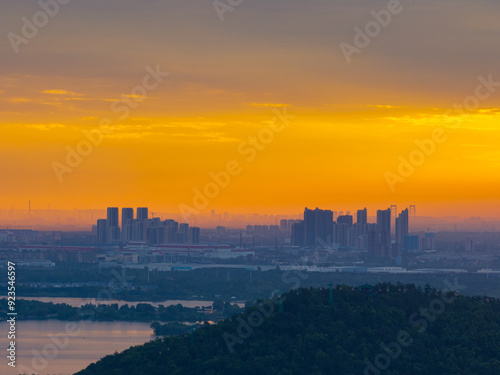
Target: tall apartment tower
113, 230
362, 217
318, 225
112, 216
102, 226
142, 214
284, 225
361, 229
183, 233
373, 240
298, 233
342, 231
384, 232
194, 235
127, 217
345, 219
402, 229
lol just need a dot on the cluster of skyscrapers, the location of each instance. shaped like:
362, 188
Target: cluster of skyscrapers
326, 229
141, 228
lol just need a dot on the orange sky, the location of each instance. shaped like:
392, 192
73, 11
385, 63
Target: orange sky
226, 80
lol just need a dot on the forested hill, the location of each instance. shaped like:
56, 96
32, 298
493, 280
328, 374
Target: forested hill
381, 329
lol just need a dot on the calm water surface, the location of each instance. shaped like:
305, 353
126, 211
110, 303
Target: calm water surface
77, 302
63, 348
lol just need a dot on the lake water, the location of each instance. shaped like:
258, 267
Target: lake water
77, 302
63, 348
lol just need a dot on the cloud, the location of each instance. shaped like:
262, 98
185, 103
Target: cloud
489, 110
185, 137
20, 100
61, 92
270, 104
478, 120
474, 145
387, 106
491, 157
45, 127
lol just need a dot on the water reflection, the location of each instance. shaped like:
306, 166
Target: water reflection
58, 347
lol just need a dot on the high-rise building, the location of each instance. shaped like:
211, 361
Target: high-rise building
284, 225
384, 232
362, 217
318, 226
183, 234
138, 228
427, 242
171, 229
112, 216
142, 213
298, 233
345, 219
340, 233
102, 226
291, 222
398, 245
153, 231
373, 241
402, 228
113, 230
127, 217
361, 229
410, 243
194, 235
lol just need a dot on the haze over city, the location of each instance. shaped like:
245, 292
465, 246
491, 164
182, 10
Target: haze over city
250, 187
210, 95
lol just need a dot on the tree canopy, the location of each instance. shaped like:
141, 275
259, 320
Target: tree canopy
380, 329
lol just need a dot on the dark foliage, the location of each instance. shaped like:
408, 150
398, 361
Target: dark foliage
303, 333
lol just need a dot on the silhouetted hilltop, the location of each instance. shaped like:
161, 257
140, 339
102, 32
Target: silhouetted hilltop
381, 329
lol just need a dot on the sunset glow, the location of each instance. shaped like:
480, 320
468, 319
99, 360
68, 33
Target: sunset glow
352, 122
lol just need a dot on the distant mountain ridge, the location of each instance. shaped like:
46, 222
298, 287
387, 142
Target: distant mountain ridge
373, 330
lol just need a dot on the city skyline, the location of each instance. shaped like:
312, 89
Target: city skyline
70, 220
140, 236
170, 163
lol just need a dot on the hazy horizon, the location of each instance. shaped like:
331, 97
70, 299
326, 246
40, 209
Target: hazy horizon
153, 100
